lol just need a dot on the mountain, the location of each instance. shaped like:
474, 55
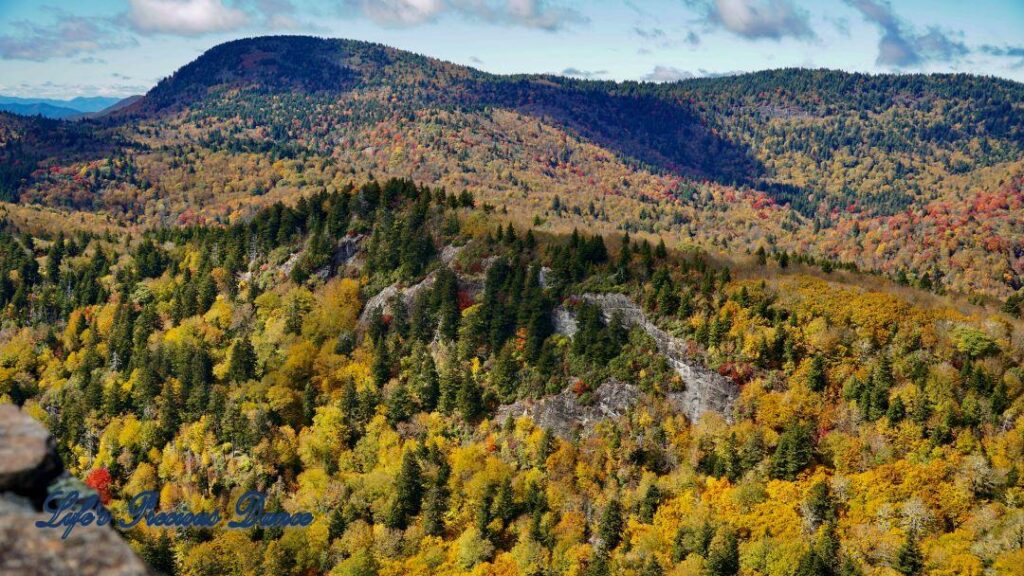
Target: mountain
916, 177
39, 109
656, 131
120, 104
51, 108
468, 324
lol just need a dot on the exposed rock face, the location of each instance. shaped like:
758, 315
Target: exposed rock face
706, 390
383, 298
28, 456
28, 464
347, 250
409, 294
563, 413
450, 253
564, 321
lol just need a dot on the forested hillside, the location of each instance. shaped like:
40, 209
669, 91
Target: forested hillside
474, 323
915, 177
870, 436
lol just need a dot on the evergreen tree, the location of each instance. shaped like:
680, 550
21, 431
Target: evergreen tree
434, 507
309, 402
793, 452
816, 379
909, 560
660, 251
503, 375
649, 504
724, 554
762, 256
610, 529
399, 404
469, 399
242, 363
408, 492
425, 381
652, 568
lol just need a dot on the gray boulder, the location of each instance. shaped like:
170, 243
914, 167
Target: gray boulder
28, 465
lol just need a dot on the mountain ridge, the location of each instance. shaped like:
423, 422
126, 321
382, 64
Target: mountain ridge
848, 167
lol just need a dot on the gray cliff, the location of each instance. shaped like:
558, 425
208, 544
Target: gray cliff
706, 390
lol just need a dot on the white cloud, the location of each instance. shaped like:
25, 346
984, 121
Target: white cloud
526, 13
761, 18
184, 17
402, 12
574, 72
900, 45
667, 74
68, 36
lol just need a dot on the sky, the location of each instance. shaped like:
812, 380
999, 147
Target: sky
62, 49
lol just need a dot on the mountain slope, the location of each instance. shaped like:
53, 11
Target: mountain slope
656, 131
911, 176
366, 355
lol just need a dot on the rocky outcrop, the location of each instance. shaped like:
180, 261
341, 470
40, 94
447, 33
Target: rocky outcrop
408, 294
384, 298
347, 250
28, 455
565, 413
449, 254
28, 465
705, 389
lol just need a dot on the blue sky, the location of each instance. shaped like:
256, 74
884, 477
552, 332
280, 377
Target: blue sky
120, 47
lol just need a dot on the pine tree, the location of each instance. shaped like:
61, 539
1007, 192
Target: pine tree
408, 492
816, 378
600, 565
610, 529
469, 399
504, 505
660, 251
309, 401
242, 363
819, 505
649, 504
381, 366
909, 560
724, 554
793, 452
293, 318
169, 407
399, 404
503, 375
434, 507
762, 256
652, 568
625, 257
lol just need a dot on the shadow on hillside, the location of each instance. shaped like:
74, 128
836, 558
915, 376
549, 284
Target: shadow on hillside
662, 134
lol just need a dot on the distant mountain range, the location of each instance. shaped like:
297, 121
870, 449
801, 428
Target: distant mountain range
59, 109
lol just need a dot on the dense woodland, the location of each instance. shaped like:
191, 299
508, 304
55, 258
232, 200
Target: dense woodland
914, 177
320, 269
871, 436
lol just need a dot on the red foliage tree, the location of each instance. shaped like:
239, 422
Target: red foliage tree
100, 481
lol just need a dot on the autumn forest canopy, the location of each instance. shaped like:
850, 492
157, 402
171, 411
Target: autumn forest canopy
767, 324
